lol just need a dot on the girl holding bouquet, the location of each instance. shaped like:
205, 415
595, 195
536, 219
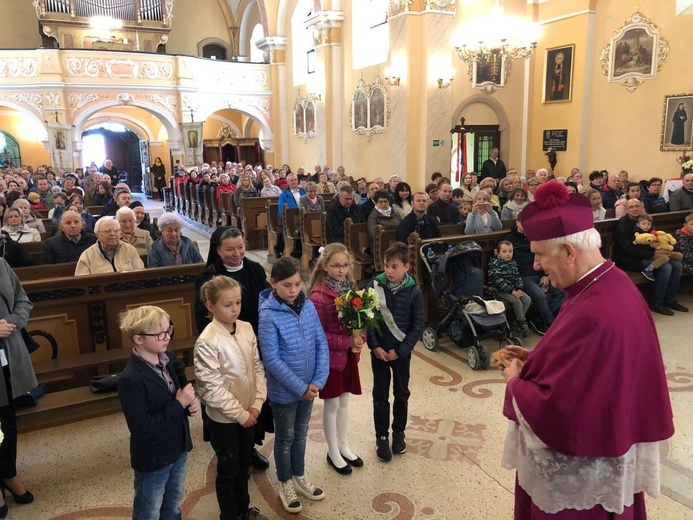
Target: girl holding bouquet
332, 278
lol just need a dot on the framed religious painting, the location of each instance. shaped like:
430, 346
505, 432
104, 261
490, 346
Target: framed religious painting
635, 52
310, 116
488, 75
558, 74
370, 108
677, 123
299, 119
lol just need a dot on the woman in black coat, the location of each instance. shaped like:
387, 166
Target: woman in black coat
158, 171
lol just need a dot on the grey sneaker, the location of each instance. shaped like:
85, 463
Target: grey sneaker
304, 487
382, 449
287, 495
399, 443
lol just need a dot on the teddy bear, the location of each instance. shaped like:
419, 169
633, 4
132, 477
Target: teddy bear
664, 240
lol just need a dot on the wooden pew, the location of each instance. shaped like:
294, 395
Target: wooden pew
275, 227
381, 241
79, 315
215, 221
207, 194
33, 251
169, 200
356, 239
42, 272
254, 221
41, 213
291, 226
228, 210
313, 233
194, 203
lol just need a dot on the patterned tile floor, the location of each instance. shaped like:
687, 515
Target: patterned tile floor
451, 469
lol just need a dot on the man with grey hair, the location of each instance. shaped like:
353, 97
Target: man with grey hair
340, 210
69, 244
682, 198
590, 404
109, 254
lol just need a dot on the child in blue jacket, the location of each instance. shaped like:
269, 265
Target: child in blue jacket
296, 357
401, 303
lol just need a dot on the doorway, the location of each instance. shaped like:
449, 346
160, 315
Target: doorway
117, 143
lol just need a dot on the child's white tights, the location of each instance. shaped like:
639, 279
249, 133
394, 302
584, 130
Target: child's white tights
335, 423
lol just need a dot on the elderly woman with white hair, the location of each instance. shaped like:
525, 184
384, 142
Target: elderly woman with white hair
109, 254
140, 239
172, 248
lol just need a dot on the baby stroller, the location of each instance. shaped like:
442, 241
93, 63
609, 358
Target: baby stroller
457, 279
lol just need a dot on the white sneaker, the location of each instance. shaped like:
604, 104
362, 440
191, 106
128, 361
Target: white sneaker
288, 496
308, 490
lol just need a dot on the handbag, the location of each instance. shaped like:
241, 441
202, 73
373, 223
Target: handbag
31, 344
104, 384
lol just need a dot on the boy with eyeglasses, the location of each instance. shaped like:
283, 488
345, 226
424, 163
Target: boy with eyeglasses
156, 406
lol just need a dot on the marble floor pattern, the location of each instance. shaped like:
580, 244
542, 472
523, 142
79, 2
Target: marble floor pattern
451, 469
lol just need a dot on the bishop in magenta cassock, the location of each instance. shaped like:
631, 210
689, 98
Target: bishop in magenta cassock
590, 405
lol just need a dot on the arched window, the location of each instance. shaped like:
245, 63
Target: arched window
301, 41
256, 55
371, 33
9, 150
214, 52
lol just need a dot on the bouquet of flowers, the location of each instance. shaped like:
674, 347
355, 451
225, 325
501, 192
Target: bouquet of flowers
359, 310
685, 162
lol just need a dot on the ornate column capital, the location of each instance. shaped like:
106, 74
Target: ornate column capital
327, 27
273, 49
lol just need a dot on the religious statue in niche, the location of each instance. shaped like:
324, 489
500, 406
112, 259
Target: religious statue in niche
370, 108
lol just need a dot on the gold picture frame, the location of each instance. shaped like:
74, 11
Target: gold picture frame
558, 74
635, 52
677, 123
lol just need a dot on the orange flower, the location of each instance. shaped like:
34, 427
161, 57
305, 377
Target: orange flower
357, 303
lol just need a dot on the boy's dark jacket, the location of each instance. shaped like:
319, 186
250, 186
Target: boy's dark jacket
407, 309
158, 423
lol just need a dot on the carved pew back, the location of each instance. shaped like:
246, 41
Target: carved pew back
356, 239
254, 221
312, 235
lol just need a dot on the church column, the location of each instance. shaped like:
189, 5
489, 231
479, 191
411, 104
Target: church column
275, 147
327, 88
420, 54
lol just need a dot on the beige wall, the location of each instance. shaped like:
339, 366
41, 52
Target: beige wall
194, 21
28, 131
20, 30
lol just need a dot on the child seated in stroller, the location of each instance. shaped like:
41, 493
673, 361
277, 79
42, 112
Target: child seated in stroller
504, 276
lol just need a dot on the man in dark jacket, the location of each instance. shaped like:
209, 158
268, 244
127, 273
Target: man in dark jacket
546, 299
493, 166
368, 204
611, 191
418, 220
632, 257
443, 210
340, 210
70, 243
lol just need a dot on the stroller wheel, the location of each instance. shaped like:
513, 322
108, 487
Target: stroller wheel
429, 338
477, 357
509, 341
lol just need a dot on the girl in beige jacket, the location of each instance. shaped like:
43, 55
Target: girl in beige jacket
232, 386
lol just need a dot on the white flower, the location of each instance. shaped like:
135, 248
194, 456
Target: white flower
369, 314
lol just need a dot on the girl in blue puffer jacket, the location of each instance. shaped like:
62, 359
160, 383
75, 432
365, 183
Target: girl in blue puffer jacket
296, 357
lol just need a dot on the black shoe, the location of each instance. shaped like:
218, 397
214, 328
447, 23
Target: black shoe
399, 443
253, 513
661, 309
25, 498
677, 306
346, 470
524, 330
357, 462
259, 461
382, 449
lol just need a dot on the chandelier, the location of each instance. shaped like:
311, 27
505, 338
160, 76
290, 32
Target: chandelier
495, 37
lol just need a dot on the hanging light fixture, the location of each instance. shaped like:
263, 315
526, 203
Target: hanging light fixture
497, 36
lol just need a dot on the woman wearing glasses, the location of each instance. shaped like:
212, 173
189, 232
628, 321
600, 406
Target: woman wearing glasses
109, 254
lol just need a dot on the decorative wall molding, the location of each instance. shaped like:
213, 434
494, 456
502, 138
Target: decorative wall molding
52, 99
440, 5
124, 98
18, 68
34, 101
396, 7
116, 68
76, 102
168, 102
